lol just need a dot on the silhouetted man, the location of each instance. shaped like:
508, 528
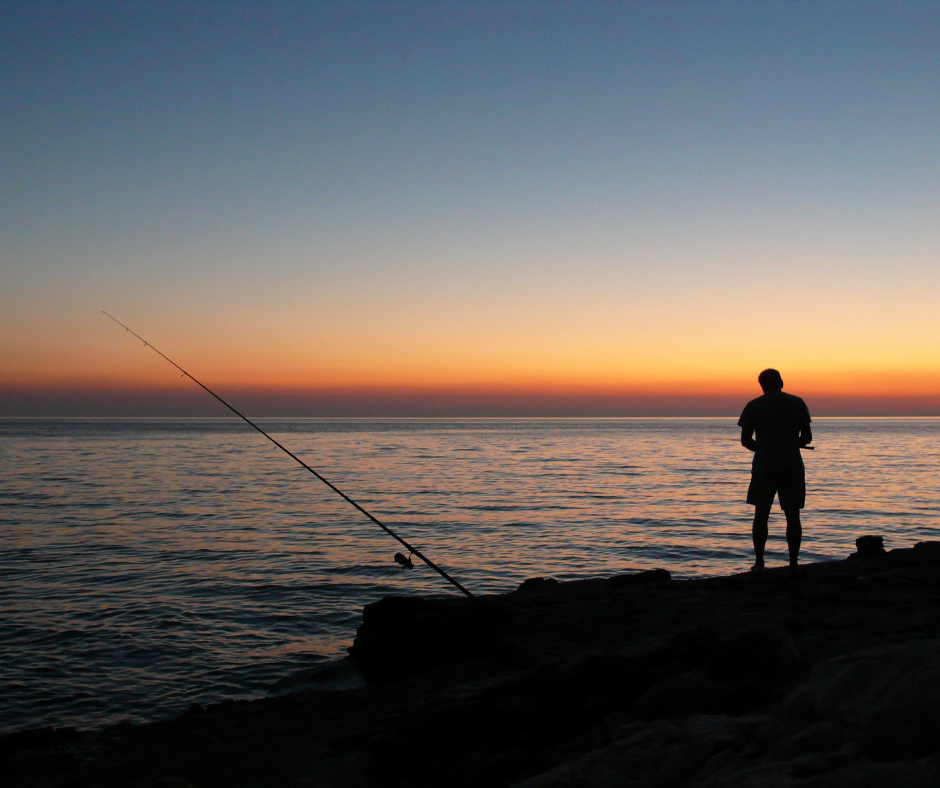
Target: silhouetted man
781, 424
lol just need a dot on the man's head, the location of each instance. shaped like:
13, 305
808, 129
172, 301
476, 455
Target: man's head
770, 380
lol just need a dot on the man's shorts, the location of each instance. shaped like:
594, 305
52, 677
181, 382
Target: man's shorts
789, 487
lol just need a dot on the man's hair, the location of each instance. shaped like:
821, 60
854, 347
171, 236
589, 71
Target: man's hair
770, 380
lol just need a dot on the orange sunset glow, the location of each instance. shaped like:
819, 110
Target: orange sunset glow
481, 240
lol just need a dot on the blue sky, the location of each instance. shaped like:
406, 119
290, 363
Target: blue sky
471, 193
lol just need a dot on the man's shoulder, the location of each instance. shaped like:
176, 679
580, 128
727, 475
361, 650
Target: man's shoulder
757, 403
750, 410
797, 403
776, 399
777, 402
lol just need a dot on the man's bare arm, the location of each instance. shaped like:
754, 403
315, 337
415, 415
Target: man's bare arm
806, 436
747, 439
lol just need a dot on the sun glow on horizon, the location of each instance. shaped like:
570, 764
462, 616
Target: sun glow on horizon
636, 201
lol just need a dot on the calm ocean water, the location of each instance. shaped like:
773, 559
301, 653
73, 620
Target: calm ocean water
146, 565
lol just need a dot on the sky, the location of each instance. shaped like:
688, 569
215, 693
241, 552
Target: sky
449, 208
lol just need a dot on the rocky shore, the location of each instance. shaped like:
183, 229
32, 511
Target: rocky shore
827, 678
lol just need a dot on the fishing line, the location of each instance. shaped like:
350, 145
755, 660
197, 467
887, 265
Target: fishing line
399, 558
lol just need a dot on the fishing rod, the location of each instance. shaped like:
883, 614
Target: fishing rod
399, 558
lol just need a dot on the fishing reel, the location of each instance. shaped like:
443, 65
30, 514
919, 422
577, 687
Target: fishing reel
403, 561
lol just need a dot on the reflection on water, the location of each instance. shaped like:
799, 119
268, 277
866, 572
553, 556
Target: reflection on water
149, 564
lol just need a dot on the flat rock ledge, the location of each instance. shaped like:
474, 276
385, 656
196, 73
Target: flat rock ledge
827, 678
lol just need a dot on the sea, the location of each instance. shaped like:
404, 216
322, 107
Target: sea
147, 565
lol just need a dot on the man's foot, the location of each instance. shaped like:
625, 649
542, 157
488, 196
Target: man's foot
757, 568
794, 570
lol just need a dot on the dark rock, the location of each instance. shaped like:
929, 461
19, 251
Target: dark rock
761, 649
827, 735
537, 582
734, 651
34, 739
405, 636
830, 681
928, 550
667, 754
682, 694
891, 696
870, 546
651, 576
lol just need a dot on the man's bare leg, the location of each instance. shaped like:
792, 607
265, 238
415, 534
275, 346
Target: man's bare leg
794, 535
759, 533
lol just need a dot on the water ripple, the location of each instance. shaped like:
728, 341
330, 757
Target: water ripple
149, 564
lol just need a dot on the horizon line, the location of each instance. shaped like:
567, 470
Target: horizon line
188, 401
826, 417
